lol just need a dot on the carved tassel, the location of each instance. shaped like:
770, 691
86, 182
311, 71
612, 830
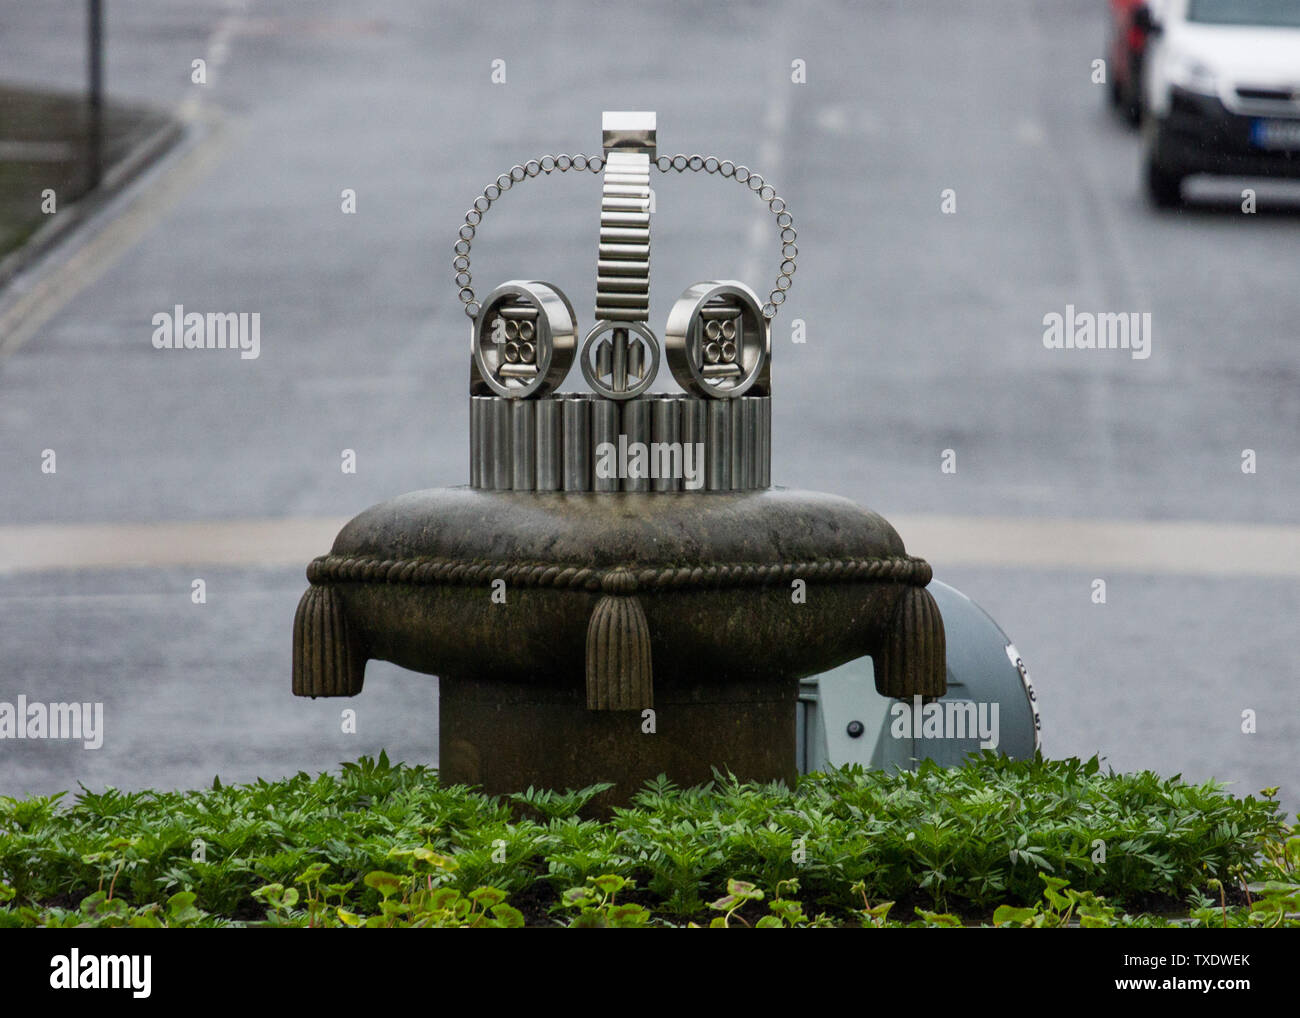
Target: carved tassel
912, 660
618, 648
327, 660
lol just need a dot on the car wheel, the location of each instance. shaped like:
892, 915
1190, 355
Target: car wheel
1164, 184
1164, 188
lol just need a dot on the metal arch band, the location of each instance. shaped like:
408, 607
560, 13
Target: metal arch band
563, 163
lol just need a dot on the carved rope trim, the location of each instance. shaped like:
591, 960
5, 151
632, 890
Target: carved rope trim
616, 579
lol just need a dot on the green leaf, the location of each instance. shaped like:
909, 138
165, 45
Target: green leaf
508, 915
938, 918
387, 884
312, 873
609, 883
271, 893
180, 907
744, 889
486, 897
578, 896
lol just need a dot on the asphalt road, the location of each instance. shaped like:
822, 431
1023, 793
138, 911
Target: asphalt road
924, 333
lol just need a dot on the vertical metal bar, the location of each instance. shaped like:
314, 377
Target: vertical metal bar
523, 420
695, 442
618, 374
767, 441
718, 457
749, 416
576, 419
502, 469
736, 406
636, 429
550, 454
95, 91
604, 432
475, 478
665, 436
482, 410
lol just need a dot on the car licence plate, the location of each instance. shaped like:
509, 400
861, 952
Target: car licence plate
1275, 134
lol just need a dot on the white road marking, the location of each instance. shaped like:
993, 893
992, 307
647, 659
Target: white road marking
50, 547
1190, 548
1177, 548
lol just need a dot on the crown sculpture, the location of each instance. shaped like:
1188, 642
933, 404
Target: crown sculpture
619, 592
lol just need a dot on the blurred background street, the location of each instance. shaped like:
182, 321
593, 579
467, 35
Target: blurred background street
924, 333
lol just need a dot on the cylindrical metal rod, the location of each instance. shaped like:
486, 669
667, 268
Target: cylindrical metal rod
576, 418
481, 441
718, 457
523, 415
618, 373
604, 443
624, 217
502, 433
667, 451
474, 476
622, 267
737, 407
550, 455
764, 406
623, 284
749, 417
517, 312
636, 429
695, 441
624, 252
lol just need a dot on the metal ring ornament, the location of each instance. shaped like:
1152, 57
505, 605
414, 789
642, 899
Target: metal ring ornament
590, 350
524, 339
718, 341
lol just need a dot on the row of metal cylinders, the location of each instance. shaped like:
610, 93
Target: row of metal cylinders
575, 441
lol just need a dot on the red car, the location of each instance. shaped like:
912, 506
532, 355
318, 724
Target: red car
1124, 50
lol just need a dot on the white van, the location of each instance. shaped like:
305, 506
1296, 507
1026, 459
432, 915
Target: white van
1222, 91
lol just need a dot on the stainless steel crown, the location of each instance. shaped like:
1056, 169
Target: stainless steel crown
525, 435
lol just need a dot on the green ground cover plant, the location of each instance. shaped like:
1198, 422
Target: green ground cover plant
1032, 844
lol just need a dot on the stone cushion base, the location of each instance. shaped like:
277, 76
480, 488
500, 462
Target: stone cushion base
581, 638
604, 592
